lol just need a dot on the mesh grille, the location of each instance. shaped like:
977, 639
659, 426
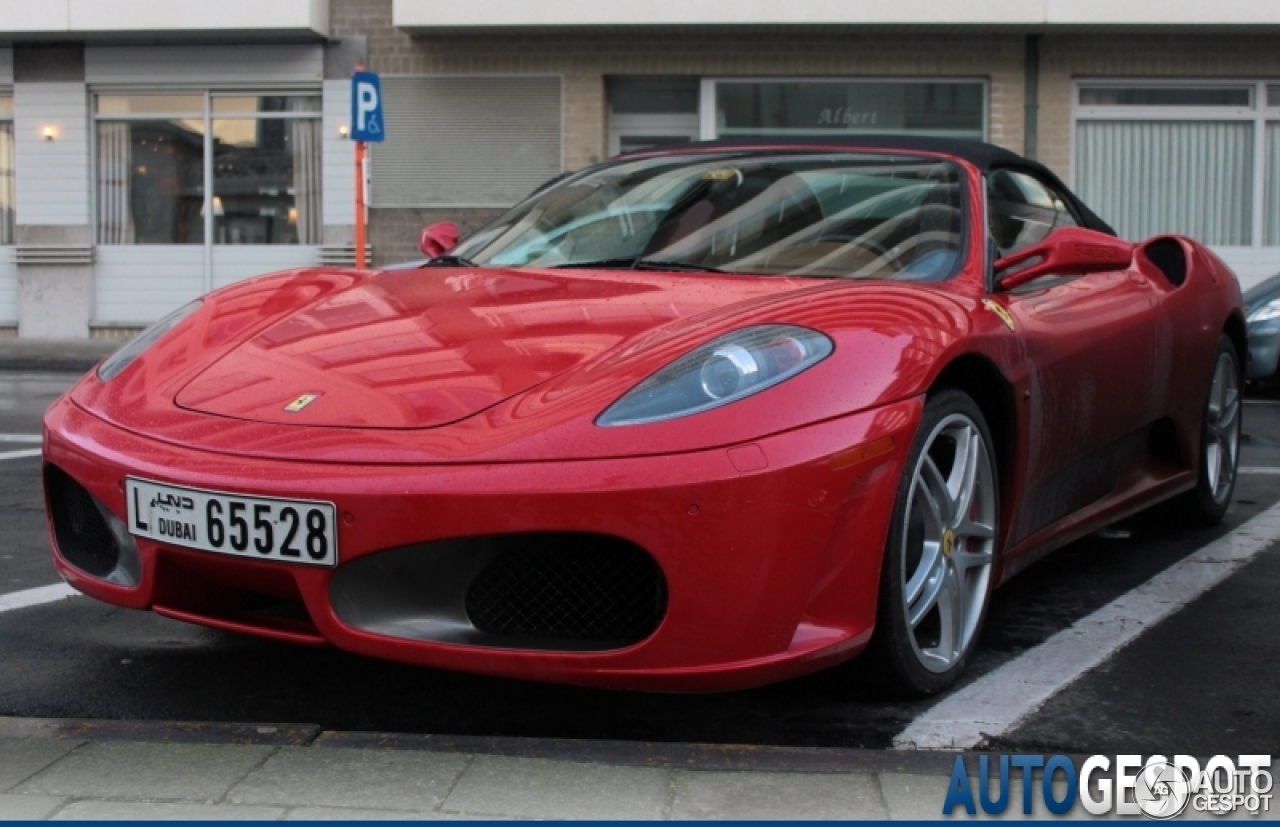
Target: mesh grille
571, 587
83, 537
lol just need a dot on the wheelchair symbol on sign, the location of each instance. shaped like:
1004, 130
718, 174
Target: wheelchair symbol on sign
366, 108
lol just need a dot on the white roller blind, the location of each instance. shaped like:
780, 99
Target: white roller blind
466, 141
1148, 177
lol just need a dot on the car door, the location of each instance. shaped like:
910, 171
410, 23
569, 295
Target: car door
1091, 343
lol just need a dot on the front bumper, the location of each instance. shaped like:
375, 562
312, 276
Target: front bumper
770, 551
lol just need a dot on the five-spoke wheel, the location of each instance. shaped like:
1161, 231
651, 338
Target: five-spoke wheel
1219, 440
942, 544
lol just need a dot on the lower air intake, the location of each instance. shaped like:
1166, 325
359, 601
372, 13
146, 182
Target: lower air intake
569, 587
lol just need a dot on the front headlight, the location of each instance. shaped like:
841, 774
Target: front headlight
124, 357
722, 371
1268, 311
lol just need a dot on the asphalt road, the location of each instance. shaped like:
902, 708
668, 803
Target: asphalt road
1203, 682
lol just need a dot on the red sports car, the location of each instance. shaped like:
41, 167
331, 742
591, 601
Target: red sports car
695, 419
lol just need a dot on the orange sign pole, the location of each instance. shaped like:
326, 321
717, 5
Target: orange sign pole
360, 262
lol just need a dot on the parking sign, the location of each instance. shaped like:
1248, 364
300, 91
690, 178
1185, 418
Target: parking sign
366, 108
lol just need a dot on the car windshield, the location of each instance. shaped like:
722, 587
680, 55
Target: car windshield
837, 215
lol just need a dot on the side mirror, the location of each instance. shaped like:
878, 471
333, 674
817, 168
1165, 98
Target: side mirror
438, 239
1067, 252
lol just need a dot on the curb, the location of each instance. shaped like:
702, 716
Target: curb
722, 757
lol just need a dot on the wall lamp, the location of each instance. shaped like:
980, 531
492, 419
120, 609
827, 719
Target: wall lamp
344, 131
49, 133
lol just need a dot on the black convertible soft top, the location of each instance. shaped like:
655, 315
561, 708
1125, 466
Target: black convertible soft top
984, 156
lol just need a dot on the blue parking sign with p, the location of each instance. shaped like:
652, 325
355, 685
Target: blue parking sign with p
366, 108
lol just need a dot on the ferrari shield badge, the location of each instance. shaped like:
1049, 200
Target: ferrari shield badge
1005, 315
301, 402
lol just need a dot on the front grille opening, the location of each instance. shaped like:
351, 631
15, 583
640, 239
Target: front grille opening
583, 587
211, 585
84, 531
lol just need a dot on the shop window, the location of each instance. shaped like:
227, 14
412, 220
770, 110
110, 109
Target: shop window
263, 152
7, 202
842, 107
651, 112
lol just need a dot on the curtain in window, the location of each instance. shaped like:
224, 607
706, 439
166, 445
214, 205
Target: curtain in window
1149, 177
115, 168
6, 183
1272, 235
304, 137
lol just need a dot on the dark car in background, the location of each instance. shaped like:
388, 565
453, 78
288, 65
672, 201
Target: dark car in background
1262, 309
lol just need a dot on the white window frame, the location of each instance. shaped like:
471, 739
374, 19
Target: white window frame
1260, 113
207, 93
707, 96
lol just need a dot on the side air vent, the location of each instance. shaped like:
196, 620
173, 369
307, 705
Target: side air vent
1169, 257
88, 535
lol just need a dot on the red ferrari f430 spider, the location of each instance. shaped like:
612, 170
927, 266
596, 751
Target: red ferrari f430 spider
694, 419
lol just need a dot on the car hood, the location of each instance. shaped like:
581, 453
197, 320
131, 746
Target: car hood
424, 348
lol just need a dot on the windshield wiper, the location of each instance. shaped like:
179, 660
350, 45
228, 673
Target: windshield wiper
677, 266
625, 262
634, 263
450, 261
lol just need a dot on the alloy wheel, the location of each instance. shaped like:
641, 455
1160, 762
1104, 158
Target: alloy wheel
948, 542
1222, 428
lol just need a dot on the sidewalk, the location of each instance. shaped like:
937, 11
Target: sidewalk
60, 769
74, 356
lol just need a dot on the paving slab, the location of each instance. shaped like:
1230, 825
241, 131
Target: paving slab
149, 811
539, 788
372, 779
21, 758
343, 814
28, 807
147, 772
776, 795
346, 814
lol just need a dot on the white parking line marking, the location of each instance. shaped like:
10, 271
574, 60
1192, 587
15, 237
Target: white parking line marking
32, 452
1000, 700
34, 439
34, 597
1257, 469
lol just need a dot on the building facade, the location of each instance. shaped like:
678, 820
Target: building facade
150, 152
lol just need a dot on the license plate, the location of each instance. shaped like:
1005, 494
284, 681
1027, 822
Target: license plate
261, 528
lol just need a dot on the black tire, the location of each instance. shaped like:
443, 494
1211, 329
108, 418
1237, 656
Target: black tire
1207, 503
898, 647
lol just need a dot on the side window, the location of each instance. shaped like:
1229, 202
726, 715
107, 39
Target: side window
1022, 211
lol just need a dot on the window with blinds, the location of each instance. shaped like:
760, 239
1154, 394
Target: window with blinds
466, 141
1201, 159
